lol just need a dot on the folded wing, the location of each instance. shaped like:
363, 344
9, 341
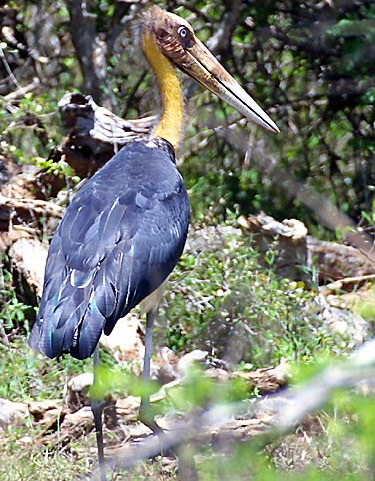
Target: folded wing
120, 238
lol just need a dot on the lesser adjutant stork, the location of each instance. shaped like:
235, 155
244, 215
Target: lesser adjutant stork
125, 229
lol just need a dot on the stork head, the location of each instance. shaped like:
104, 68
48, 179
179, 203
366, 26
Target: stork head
176, 39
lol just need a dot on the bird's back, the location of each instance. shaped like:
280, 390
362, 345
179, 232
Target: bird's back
120, 238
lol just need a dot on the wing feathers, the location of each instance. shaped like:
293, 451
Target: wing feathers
119, 240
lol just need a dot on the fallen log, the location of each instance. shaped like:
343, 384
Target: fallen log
40, 207
95, 134
338, 261
296, 253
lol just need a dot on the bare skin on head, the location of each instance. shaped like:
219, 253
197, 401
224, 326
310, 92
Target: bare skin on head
169, 40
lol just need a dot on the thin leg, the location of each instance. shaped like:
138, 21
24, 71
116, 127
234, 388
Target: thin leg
186, 464
97, 406
145, 414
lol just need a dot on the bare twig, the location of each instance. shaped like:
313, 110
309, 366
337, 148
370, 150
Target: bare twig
8, 69
3, 334
21, 91
341, 283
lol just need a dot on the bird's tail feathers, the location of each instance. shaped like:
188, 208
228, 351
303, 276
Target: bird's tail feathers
72, 324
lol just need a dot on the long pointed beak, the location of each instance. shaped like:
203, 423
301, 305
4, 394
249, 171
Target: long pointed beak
206, 70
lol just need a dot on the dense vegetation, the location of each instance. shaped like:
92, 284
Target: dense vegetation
311, 66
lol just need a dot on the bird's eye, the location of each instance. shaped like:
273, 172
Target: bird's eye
183, 32
185, 36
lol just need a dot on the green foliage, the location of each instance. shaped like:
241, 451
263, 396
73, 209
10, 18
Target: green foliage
223, 301
199, 391
13, 313
29, 376
311, 64
25, 138
115, 379
365, 306
316, 71
336, 442
222, 192
342, 446
60, 168
26, 375
35, 462
366, 309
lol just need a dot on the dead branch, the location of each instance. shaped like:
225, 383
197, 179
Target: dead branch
39, 207
20, 92
280, 412
348, 282
337, 261
94, 133
295, 250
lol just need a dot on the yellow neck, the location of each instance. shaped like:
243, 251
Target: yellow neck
170, 125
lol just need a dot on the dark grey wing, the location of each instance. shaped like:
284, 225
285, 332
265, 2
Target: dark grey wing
121, 237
